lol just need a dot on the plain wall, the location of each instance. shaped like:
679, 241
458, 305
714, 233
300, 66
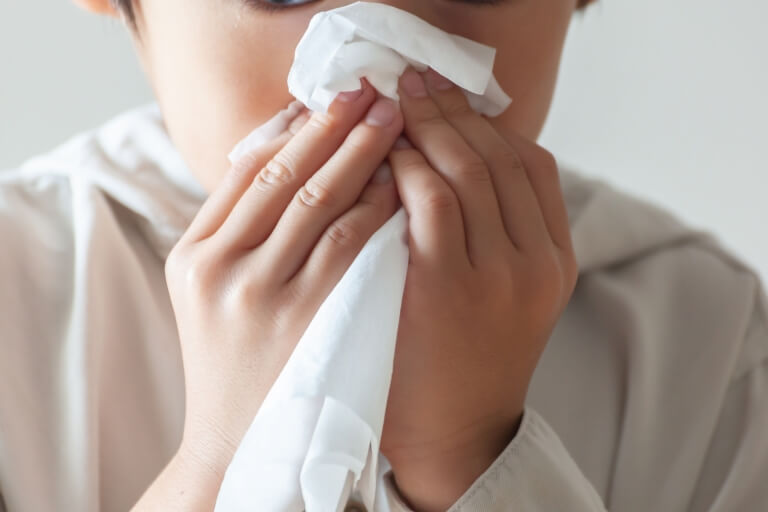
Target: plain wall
62, 70
669, 100
665, 99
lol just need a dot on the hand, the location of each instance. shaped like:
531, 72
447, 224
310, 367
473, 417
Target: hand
264, 251
491, 269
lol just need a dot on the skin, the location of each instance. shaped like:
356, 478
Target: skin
492, 265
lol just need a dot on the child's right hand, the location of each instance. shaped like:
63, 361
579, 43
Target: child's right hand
264, 252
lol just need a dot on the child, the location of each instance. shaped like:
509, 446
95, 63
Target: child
152, 294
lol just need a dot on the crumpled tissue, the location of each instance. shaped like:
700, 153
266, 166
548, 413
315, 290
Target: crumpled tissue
314, 442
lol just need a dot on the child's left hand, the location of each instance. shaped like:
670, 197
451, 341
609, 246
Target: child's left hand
491, 269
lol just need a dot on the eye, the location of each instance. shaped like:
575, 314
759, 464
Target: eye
276, 5
478, 2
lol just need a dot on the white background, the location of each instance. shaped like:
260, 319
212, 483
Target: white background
665, 99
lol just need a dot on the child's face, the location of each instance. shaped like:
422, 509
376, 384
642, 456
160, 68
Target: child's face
219, 67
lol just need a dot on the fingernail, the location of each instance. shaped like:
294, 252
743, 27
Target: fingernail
383, 174
402, 143
349, 96
437, 81
382, 113
413, 84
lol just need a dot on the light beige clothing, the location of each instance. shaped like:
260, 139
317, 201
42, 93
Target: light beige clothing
652, 394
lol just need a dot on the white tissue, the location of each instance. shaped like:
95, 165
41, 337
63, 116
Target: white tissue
378, 41
315, 440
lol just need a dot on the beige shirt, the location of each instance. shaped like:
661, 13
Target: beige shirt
652, 394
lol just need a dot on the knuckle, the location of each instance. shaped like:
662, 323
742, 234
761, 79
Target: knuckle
408, 160
278, 171
506, 153
458, 109
198, 274
431, 125
547, 282
314, 194
473, 170
357, 141
439, 201
542, 272
344, 233
242, 286
244, 167
323, 122
245, 293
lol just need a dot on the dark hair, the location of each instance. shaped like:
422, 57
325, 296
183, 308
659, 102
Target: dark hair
126, 6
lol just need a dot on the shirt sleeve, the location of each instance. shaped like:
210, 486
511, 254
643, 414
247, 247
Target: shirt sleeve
534, 473
734, 473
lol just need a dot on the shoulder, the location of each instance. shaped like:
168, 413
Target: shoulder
661, 353
126, 169
108, 197
677, 284
84, 307
47, 211
29, 188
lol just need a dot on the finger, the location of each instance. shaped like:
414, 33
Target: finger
345, 238
544, 177
522, 213
269, 192
435, 224
333, 189
459, 165
223, 198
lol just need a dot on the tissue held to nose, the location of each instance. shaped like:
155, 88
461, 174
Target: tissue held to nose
379, 42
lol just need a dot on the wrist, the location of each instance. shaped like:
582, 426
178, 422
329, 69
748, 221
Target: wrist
207, 455
434, 479
189, 482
